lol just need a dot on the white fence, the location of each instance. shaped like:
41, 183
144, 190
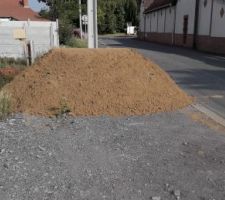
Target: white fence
41, 36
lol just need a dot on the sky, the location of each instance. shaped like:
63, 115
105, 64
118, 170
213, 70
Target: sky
35, 5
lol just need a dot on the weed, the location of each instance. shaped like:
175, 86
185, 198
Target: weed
63, 108
18, 63
4, 80
9, 68
77, 43
5, 105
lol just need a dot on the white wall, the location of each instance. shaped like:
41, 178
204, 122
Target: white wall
185, 7
44, 36
170, 17
218, 22
204, 17
161, 20
147, 23
154, 19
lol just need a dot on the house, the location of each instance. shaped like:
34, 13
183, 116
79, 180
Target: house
23, 33
17, 10
196, 24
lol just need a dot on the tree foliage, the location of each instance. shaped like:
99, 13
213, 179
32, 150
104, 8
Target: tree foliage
112, 15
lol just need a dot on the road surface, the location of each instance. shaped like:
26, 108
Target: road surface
200, 74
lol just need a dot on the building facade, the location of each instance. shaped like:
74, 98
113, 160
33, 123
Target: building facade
196, 24
17, 10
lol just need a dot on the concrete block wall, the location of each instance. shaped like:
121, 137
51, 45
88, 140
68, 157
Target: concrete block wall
42, 35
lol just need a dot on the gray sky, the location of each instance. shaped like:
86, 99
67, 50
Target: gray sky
35, 5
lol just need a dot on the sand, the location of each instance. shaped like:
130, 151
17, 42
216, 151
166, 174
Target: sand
114, 82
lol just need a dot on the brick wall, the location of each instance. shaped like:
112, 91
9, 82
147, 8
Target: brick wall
167, 38
204, 43
141, 35
211, 44
180, 42
162, 38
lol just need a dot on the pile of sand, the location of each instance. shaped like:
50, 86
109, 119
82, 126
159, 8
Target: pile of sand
95, 82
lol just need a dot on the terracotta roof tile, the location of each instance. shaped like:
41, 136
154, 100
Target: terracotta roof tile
14, 9
147, 3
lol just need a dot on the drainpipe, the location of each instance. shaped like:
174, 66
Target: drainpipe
174, 25
211, 16
144, 26
195, 35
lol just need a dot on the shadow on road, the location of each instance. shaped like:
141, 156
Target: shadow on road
200, 79
211, 59
210, 77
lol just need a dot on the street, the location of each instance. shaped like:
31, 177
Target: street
80, 156
200, 74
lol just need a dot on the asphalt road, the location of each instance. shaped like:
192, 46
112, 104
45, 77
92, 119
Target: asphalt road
200, 74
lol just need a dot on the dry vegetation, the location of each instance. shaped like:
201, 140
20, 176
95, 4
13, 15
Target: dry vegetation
113, 82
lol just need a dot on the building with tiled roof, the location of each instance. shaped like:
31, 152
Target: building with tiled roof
144, 5
159, 4
196, 24
18, 10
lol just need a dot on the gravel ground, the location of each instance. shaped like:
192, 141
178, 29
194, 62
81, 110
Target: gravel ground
163, 156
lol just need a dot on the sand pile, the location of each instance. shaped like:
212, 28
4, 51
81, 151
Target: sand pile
95, 82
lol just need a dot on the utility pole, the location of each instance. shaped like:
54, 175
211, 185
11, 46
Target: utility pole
92, 24
80, 15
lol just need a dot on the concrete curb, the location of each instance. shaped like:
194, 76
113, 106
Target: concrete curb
212, 115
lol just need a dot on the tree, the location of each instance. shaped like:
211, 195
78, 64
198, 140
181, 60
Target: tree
131, 11
120, 19
67, 12
112, 14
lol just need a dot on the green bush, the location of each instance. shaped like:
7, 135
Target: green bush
77, 43
5, 105
65, 31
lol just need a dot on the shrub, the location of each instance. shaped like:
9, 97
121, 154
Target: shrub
77, 43
4, 80
9, 68
12, 62
5, 105
65, 31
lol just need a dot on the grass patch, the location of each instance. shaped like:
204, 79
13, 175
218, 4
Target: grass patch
5, 105
77, 43
4, 80
9, 68
114, 34
18, 63
62, 110
64, 107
